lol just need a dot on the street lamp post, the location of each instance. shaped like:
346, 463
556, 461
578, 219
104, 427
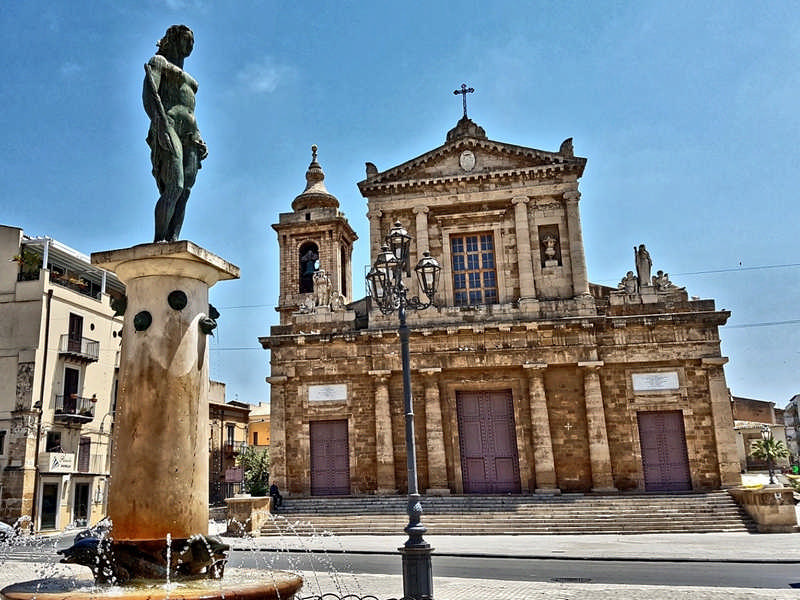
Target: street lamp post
766, 435
385, 281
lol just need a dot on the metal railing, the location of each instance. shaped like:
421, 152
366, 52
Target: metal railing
81, 347
74, 405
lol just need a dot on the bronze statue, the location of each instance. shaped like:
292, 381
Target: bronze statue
176, 147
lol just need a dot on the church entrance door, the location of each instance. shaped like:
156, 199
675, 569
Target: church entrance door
489, 458
665, 460
330, 461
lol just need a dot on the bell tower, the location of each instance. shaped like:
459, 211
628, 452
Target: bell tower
314, 237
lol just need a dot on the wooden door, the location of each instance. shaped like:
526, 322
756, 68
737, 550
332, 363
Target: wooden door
665, 460
488, 440
75, 333
330, 460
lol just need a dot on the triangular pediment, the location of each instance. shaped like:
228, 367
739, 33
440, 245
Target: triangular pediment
471, 158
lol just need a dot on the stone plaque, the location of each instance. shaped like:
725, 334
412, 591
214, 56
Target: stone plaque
318, 393
654, 382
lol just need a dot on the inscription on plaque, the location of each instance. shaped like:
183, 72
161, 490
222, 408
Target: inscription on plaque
653, 382
317, 393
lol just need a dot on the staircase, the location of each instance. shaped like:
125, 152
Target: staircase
494, 515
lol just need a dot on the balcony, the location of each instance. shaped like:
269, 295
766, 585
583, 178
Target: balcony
74, 409
234, 448
80, 349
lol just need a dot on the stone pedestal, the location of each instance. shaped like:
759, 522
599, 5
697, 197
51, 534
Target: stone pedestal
247, 514
159, 469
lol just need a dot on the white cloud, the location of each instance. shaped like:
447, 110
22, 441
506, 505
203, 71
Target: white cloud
263, 77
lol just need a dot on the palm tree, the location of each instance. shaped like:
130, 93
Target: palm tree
769, 449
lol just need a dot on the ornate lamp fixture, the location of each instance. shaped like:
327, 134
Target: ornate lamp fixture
390, 294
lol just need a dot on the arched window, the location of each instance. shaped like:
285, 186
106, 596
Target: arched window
308, 262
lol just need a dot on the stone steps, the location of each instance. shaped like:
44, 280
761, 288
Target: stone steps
486, 515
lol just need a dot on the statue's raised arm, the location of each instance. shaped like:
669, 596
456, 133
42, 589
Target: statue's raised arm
176, 148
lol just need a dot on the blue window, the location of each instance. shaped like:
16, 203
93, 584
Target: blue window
474, 275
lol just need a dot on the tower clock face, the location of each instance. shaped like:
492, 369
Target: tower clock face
467, 160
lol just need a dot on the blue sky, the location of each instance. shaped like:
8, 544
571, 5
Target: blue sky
686, 111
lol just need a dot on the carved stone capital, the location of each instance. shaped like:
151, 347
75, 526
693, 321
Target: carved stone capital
277, 380
572, 196
382, 375
714, 361
374, 214
421, 209
430, 372
520, 200
591, 364
534, 367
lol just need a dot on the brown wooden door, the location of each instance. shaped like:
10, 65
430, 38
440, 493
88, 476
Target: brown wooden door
330, 461
489, 458
75, 333
664, 458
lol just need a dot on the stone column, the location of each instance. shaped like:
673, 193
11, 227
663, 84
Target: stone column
384, 447
423, 244
434, 435
724, 435
277, 432
375, 233
159, 474
599, 454
527, 287
544, 462
580, 282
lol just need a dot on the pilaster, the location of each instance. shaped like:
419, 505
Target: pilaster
527, 286
384, 446
544, 462
437, 462
729, 467
580, 282
277, 432
599, 454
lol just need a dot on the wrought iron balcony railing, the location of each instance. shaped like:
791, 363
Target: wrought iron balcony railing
80, 348
73, 408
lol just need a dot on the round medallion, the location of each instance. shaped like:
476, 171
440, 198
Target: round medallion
142, 320
467, 160
177, 300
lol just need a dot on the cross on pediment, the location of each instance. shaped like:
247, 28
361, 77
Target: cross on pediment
464, 91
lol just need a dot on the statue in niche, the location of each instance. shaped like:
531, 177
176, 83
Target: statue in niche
550, 243
643, 264
176, 148
322, 288
629, 283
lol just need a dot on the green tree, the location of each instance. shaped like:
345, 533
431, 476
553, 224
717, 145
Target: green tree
255, 470
769, 450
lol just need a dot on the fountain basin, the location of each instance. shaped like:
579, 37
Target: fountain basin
238, 584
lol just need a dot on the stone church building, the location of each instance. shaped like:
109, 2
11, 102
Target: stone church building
526, 377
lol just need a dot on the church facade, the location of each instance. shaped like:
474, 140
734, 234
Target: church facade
526, 377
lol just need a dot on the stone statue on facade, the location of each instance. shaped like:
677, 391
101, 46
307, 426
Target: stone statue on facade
662, 283
176, 148
643, 264
322, 288
629, 283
